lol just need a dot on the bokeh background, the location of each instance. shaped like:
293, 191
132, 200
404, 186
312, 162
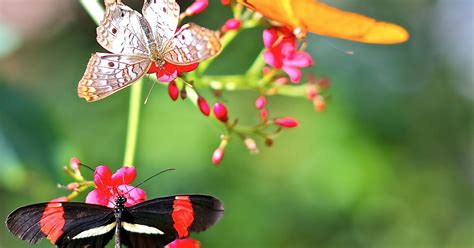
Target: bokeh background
388, 164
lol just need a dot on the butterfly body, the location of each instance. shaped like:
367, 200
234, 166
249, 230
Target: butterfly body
153, 223
135, 41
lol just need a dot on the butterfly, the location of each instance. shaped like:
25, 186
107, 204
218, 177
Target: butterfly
304, 16
152, 223
136, 41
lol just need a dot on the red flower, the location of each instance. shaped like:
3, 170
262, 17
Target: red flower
109, 186
169, 72
282, 53
184, 243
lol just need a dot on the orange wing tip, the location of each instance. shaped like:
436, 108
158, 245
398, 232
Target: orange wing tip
386, 33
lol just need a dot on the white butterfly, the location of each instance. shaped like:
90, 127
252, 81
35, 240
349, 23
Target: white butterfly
136, 41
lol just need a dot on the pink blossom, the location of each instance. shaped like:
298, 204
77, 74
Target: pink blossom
218, 155
75, 163
282, 53
261, 102
109, 186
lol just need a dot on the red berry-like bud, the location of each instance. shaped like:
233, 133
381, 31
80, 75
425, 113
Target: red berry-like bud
226, 2
173, 90
197, 7
217, 156
261, 102
203, 106
220, 111
287, 122
231, 24
183, 93
75, 163
264, 114
269, 142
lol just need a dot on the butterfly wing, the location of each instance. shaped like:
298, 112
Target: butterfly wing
61, 222
108, 73
322, 19
163, 16
192, 44
169, 218
124, 31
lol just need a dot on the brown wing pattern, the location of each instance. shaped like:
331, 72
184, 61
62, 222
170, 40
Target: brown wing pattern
191, 44
108, 73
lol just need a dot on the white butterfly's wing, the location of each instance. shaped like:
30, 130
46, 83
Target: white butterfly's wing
108, 73
123, 31
163, 16
191, 44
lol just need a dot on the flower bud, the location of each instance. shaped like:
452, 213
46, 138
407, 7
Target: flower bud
220, 111
268, 142
287, 122
218, 155
197, 7
60, 199
73, 186
264, 114
251, 145
183, 93
261, 102
231, 24
203, 106
173, 90
75, 163
319, 104
226, 2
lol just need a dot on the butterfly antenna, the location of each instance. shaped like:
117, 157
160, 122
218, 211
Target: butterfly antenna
88, 167
149, 92
347, 52
148, 179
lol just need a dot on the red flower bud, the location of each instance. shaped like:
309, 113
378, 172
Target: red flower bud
75, 163
173, 90
261, 102
226, 2
231, 24
220, 111
288, 122
217, 155
184, 94
203, 106
197, 7
263, 114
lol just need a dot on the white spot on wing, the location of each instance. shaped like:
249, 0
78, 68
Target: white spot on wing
137, 228
95, 231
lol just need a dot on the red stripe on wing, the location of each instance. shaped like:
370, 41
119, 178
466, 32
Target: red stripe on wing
183, 215
52, 221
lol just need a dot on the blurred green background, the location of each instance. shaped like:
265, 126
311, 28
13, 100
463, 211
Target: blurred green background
389, 164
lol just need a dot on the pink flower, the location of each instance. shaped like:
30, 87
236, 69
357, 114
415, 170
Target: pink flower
185, 243
282, 52
75, 163
169, 72
261, 102
109, 186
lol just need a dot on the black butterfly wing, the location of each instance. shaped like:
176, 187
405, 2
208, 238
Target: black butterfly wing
65, 224
173, 217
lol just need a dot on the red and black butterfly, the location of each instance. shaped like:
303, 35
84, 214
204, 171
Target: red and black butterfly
153, 223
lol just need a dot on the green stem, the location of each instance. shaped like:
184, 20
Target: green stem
257, 65
94, 9
133, 122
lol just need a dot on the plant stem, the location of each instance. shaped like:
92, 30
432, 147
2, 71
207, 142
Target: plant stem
133, 122
94, 9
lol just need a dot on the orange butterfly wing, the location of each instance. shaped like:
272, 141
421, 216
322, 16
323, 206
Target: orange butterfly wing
322, 19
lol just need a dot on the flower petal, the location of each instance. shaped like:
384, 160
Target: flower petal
167, 77
133, 195
186, 68
102, 176
272, 59
185, 243
300, 59
270, 36
293, 72
124, 175
99, 196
